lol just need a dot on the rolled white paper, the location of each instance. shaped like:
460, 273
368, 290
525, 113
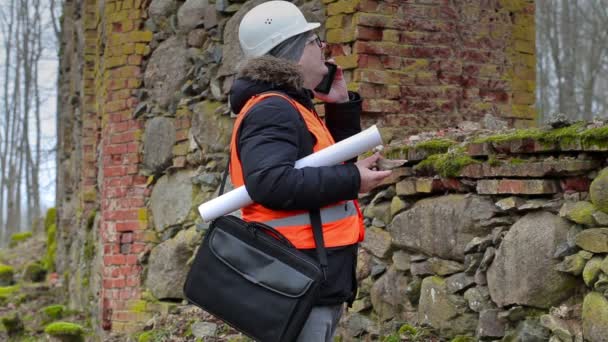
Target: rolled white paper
344, 150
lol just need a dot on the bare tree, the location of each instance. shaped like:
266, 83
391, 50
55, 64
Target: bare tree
22, 25
572, 52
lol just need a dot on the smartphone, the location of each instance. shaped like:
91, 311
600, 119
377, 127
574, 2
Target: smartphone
325, 85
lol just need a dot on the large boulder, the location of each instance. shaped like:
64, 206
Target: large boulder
168, 264
159, 139
523, 269
442, 226
191, 14
233, 55
171, 199
595, 317
167, 70
388, 294
210, 130
377, 241
159, 9
444, 312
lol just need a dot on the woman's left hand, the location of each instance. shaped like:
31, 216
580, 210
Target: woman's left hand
338, 92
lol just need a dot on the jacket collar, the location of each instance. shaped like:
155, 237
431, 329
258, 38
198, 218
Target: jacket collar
267, 73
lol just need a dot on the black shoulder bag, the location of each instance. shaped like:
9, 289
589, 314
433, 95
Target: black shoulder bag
250, 276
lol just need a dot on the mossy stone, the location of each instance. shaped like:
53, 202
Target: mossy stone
51, 248
12, 323
54, 312
65, 331
599, 191
397, 206
592, 270
19, 237
595, 317
579, 212
573, 264
593, 240
34, 272
51, 217
6, 275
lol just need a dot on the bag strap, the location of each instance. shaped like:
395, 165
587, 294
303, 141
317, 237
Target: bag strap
317, 232
315, 221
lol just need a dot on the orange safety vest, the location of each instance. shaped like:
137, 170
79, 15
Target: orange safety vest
342, 221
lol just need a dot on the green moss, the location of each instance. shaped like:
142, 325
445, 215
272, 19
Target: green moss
89, 250
63, 329
435, 146
391, 338
531, 133
582, 212
54, 311
595, 137
398, 152
51, 217
153, 336
516, 161
7, 291
91, 219
139, 306
149, 297
462, 338
565, 135
6, 270
493, 161
12, 323
414, 333
19, 237
447, 164
34, 271
51, 248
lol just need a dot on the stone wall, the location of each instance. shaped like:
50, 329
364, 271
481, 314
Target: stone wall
494, 236
144, 125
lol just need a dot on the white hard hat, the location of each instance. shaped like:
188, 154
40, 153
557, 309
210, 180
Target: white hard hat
269, 24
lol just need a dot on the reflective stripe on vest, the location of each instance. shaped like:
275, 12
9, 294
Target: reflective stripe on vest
328, 214
342, 221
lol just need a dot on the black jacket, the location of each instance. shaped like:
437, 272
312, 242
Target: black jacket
273, 136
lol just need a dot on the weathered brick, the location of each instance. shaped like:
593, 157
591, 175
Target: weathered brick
381, 106
342, 6
340, 35
348, 62
368, 33
334, 22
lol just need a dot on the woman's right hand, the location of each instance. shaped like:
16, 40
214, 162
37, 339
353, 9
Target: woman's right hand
369, 177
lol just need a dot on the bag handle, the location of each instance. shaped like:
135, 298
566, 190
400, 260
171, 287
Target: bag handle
270, 231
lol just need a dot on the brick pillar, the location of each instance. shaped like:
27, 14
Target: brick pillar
430, 64
123, 191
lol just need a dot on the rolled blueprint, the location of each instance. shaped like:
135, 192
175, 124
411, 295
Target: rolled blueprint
332, 155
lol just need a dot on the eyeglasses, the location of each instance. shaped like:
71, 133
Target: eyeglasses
320, 43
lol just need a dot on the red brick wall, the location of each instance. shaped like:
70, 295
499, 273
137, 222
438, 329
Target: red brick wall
430, 64
123, 191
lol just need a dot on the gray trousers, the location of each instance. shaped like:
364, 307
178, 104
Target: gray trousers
321, 324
